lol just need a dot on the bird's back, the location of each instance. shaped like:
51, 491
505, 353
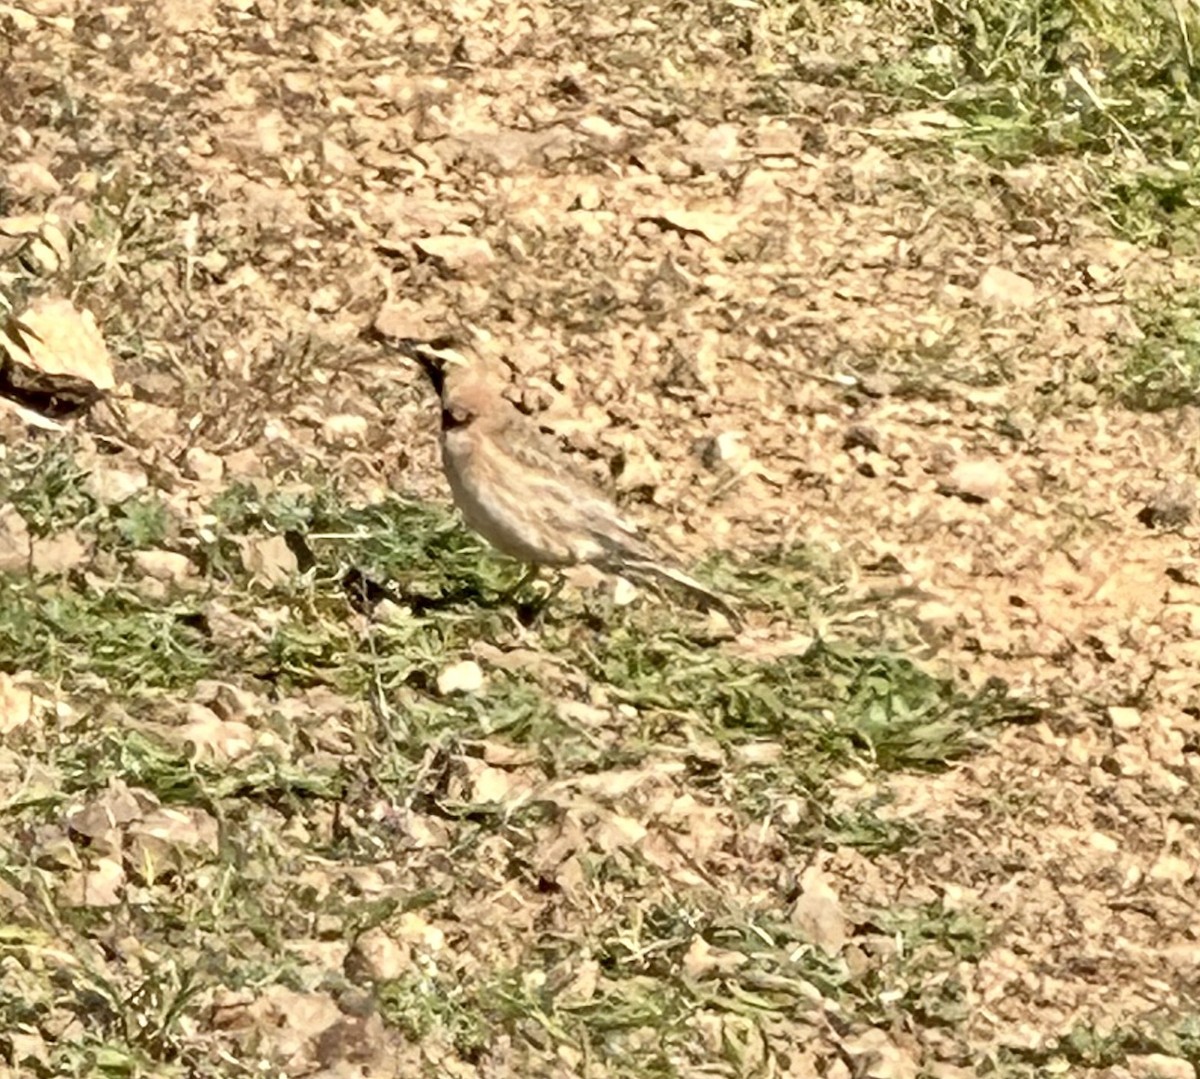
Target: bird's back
509, 471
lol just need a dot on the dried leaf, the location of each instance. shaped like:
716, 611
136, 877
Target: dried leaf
54, 352
269, 559
16, 704
818, 912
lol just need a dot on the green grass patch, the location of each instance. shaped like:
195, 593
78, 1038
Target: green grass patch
1162, 369
834, 700
1050, 76
1114, 81
113, 641
1091, 1046
46, 485
383, 598
642, 990
1156, 205
836, 705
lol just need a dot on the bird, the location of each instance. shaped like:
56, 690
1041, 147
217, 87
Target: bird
527, 498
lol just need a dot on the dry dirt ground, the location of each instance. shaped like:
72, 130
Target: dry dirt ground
260, 820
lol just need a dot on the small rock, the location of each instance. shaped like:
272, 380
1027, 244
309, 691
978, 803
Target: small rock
43, 256
1130, 760
167, 566
1172, 507
459, 254
590, 198
1124, 719
204, 466
602, 130
723, 451
412, 929
326, 299
874, 384
876, 1055
152, 590
21, 225
1102, 321
1099, 275
57, 239
31, 178
326, 46
859, 436
147, 424
1001, 288
59, 853
818, 912
114, 808
15, 542
463, 677
212, 738
269, 558
111, 486
976, 481
1160, 1066
351, 1046
16, 704
1172, 869
58, 554
378, 957
390, 613
489, 784
935, 613
247, 463
227, 701
345, 429
624, 592
102, 886
1083, 395
58, 346
872, 465
702, 960
402, 318
716, 148
638, 470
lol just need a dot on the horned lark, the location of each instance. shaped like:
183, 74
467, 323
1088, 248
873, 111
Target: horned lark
525, 497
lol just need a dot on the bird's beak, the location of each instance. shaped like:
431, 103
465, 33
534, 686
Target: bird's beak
428, 360
433, 357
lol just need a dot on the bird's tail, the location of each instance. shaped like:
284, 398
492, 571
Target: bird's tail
702, 594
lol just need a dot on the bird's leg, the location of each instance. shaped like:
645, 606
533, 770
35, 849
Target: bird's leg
543, 605
528, 577
560, 580
536, 608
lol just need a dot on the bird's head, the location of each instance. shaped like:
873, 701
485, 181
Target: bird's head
432, 356
436, 358
466, 393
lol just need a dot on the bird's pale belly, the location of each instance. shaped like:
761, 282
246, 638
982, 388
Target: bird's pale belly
507, 521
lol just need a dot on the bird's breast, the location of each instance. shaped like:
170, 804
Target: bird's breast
495, 498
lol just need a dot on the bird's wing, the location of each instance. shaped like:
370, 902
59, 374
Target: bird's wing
538, 448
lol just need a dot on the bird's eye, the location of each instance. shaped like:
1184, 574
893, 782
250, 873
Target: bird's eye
454, 417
